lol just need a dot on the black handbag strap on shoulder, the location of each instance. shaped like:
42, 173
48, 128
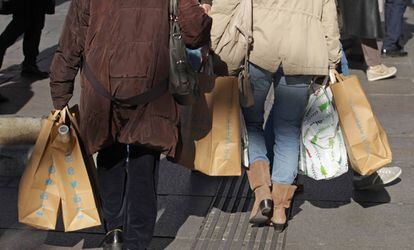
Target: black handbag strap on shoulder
146, 97
173, 9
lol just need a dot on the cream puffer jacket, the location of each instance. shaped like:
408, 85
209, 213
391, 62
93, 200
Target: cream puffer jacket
300, 35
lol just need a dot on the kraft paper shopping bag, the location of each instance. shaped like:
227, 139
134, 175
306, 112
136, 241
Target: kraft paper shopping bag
366, 140
210, 130
56, 174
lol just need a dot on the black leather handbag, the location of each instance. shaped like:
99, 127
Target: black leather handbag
183, 82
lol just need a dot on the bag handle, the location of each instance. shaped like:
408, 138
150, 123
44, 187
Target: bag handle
43, 139
339, 77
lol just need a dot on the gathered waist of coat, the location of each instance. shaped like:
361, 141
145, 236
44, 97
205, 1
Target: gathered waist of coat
291, 11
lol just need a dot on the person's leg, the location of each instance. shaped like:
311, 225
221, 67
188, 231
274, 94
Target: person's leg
111, 163
12, 32
141, 198
394, 12
259, 169
291, 98
344, 64
376, 70
31, 42
261, 82
371, 52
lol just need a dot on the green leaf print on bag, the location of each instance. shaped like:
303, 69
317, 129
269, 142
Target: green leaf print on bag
323, 171
324, 106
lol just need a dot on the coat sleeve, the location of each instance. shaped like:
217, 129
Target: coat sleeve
331, 30
68, 56
195, 24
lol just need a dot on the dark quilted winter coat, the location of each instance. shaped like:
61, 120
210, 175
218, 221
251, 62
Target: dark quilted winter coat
125, 44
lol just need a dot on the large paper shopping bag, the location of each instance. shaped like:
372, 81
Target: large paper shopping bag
366, 141
57, 173
38, 198
210, 130
78, 202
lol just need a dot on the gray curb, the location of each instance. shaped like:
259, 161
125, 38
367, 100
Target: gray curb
17, 137
19, 130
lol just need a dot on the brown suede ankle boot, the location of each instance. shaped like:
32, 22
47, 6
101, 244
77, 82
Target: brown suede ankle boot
282, 196
259, 179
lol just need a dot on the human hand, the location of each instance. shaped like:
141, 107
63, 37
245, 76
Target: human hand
332, 76
206, 7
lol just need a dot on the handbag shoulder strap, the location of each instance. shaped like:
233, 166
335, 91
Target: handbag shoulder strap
173, 8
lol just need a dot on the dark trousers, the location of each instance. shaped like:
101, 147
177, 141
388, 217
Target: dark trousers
30, 24
127, 177
394, 12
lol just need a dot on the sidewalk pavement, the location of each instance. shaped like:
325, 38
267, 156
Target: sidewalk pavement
200, 212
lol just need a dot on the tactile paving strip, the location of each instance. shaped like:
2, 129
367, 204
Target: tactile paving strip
227, 224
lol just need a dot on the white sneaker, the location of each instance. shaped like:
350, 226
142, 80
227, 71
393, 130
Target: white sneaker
389, 174
380, 72
380, 178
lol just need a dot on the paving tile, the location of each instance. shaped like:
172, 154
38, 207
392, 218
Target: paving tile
395, 113
170, 244
394, 88
341, 190
14, 239
402, 150
181, 216
178, 180
318, 224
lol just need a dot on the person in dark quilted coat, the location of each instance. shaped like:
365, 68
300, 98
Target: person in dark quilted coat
124, 45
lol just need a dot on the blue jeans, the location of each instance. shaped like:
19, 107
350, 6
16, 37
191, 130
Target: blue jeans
291, 98
394, 12
344, 64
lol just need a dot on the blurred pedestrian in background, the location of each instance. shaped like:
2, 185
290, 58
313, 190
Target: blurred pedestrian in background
28, 20
361, 19
394, 22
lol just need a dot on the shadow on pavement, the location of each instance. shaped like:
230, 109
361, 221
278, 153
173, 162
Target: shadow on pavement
338, 192
18, 89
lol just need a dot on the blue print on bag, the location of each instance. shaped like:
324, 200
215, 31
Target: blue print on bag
71, 171
44, 196
74, 184
39, 213
80, 217
77, 199
68, 158
52, 170
48, 182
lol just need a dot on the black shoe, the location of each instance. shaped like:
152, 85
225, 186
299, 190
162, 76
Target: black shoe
398, 52
113, 240
32, 71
